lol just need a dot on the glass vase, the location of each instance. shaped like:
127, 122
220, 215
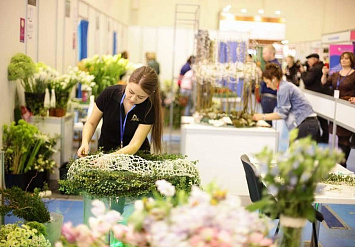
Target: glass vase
292, 231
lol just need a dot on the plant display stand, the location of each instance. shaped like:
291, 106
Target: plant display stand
63, 127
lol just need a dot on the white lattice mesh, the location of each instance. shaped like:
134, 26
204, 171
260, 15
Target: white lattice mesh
134, 164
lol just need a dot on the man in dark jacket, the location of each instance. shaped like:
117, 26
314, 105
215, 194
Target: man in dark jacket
312, 81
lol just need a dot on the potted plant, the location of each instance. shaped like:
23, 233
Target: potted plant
291, 179
30, 234
34, 79
30, 207
26, 149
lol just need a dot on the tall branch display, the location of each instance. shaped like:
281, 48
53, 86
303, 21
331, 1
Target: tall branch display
224, 83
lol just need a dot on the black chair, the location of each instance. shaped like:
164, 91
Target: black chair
255, 187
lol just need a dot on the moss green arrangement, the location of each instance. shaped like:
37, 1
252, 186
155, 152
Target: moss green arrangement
22, 68
338, 179
97, 183
23, 204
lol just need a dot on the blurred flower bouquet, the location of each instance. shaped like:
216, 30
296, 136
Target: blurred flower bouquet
207, 219
291, 179
106, 69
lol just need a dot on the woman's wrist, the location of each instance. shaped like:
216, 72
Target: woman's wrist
264, 117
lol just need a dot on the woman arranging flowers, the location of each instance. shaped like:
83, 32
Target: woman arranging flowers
292, 105
129, 113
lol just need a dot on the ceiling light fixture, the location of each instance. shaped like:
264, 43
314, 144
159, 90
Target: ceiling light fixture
261, 11
257, 18
243, 10
278, 12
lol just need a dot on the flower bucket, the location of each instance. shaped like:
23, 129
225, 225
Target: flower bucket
61, 99
54, 227
52, 112
19, 180
34, 102
60, 112
292, 231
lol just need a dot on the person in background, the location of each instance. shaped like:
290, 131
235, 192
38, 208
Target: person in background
292, 105
128, 112
186, 89
292, 71
268, 95
186, 67
344, 81
312, 81
124, 54
151, 62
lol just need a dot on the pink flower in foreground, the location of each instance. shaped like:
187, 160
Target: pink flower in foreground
69, 232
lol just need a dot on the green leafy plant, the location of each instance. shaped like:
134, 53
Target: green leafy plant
26, 148
23, 204
25, 235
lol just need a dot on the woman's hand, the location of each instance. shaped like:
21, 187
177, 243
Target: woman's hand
258, 116
325, 70
83, 150
352, 100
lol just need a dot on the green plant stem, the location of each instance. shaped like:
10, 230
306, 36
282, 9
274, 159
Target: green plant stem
291, 237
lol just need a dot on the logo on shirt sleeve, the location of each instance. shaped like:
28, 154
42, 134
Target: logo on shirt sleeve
135, 118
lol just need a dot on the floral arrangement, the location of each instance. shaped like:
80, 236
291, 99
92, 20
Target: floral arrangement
291, 179
26, 148
128, 175
205, 218
24, 235
21, 67
41, 79
95, 234
66, 82
219, 118
106, 69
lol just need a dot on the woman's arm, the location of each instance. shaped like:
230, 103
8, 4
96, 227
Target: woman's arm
137, 140
88, 131
266, 117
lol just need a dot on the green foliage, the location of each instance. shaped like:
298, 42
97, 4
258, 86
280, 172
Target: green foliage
291, 177
38, 226
26, 148
107, 70
106, 184
23, 204
20, 67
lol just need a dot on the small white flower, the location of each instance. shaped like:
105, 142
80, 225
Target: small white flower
165, 187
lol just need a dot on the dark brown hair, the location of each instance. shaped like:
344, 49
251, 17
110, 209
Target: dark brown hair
147, 78
351, 57
272, 70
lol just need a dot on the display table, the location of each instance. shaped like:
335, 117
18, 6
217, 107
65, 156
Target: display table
218, 151
62, 126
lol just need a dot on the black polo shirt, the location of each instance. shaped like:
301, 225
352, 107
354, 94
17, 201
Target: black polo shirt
109, 103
